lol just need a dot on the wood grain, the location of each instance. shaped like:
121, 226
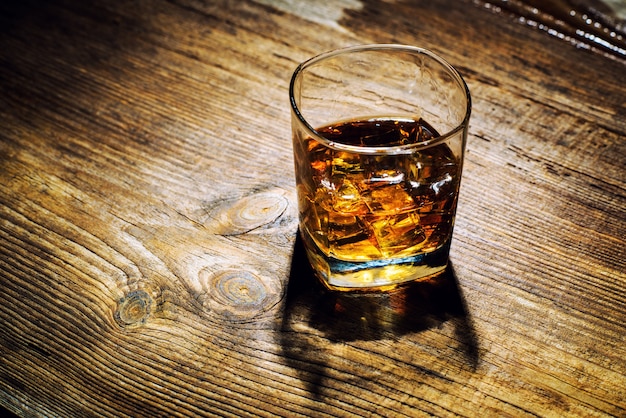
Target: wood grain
149, 264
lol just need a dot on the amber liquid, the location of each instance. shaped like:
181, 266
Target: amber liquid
374, 221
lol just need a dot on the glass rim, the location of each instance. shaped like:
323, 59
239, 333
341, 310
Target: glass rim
395, 149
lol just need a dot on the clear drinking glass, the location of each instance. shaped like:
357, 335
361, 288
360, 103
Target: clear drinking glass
379, 135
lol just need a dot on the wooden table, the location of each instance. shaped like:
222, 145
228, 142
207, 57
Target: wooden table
149, 265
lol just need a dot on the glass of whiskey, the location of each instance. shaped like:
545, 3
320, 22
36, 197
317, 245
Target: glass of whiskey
379, 135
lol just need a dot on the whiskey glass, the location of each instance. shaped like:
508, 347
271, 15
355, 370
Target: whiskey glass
379, 135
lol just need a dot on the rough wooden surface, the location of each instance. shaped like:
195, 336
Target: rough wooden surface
149, 264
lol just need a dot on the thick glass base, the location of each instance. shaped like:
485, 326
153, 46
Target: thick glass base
375, 275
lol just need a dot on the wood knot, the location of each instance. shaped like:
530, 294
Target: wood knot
251, 213
133, 309
239, 295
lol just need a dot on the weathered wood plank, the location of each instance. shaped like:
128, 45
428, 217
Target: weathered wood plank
148, 256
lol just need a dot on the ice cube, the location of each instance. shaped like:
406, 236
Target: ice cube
349, 238
344, 229
385, 200
395, 234
385, 177
346, 198
346, 164
383, 169
442, 183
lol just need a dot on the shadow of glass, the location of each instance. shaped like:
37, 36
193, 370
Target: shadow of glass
315, 317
